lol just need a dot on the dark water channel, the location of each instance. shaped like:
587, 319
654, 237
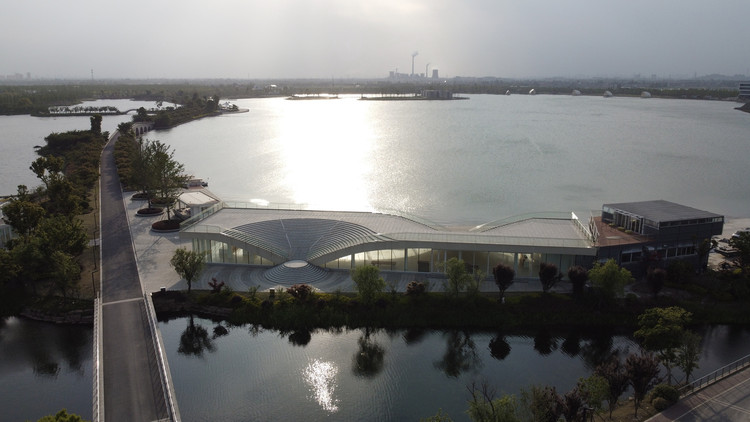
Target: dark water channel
244, 373
44, 368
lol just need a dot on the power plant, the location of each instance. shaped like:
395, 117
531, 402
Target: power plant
393, 74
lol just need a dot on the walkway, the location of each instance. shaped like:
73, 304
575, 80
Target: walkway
726, 400
131, 382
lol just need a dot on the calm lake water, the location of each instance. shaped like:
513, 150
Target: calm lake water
20, 134
44, 368
465, 162
474, 161
354, 375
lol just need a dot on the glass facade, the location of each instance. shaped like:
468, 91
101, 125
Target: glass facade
526, 264
222, 253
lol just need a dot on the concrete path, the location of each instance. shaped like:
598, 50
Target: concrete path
131, 385
727, 400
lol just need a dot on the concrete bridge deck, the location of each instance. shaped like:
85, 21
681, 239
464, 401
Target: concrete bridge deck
132, 383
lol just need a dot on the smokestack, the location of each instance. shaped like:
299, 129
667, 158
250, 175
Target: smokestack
413, 55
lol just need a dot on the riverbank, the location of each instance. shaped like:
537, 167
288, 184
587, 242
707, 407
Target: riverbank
433, 310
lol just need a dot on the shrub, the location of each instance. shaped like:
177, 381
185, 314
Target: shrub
300, 291
215, 285
666, 392
415, 288
253, 292
660, 404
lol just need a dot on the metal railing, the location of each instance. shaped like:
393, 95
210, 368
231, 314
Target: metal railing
166, 383
715, 376
98, 410
554, 215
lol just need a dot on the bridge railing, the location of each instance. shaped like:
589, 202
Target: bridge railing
715, 376
163, 366
98, 396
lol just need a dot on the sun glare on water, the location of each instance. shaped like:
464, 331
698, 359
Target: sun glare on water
326, 149
321, 379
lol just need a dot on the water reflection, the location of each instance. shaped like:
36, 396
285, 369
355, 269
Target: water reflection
460, 355
195, 340
320, 376
326, 149
499, 347
571, 346
300, 337
544, 343
368, 360
414, 336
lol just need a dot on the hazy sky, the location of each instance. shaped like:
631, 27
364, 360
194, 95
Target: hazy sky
369, 38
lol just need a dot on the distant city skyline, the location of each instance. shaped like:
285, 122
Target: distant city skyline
345, 39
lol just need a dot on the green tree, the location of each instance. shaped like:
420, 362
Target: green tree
689, 354
609, 278
662, 330
65, 272
458, 276
62, 416
614, 373
61, 233
9, 269
188, 264
503, 275
165, 174
594, 391
96, 124
368, 282
440, 416
548, 275
485, 407
542, 404
643, 374
23, 215
741, 242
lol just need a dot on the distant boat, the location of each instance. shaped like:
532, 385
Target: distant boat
507, 92
645, 94
532, 92
608, 94
575, 93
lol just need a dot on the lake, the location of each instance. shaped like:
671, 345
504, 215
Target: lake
456, 162
470, 162
356, 375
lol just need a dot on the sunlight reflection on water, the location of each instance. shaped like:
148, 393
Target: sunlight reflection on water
321, 377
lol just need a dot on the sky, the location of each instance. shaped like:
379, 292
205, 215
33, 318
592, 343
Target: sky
256, 39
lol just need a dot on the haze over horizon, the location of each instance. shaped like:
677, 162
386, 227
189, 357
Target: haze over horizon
255, 39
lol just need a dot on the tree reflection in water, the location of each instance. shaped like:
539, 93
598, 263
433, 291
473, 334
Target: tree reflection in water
414, 335
460, 354
368, 361
300, 337
499, 347
571, 346
544, 343
195, 340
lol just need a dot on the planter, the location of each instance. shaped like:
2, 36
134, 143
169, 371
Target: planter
139, 197
150, 212
166, 226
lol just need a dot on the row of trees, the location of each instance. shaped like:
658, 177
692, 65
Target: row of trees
149, 167
663, 335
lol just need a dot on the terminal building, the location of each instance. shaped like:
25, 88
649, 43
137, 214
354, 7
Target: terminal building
310, 241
